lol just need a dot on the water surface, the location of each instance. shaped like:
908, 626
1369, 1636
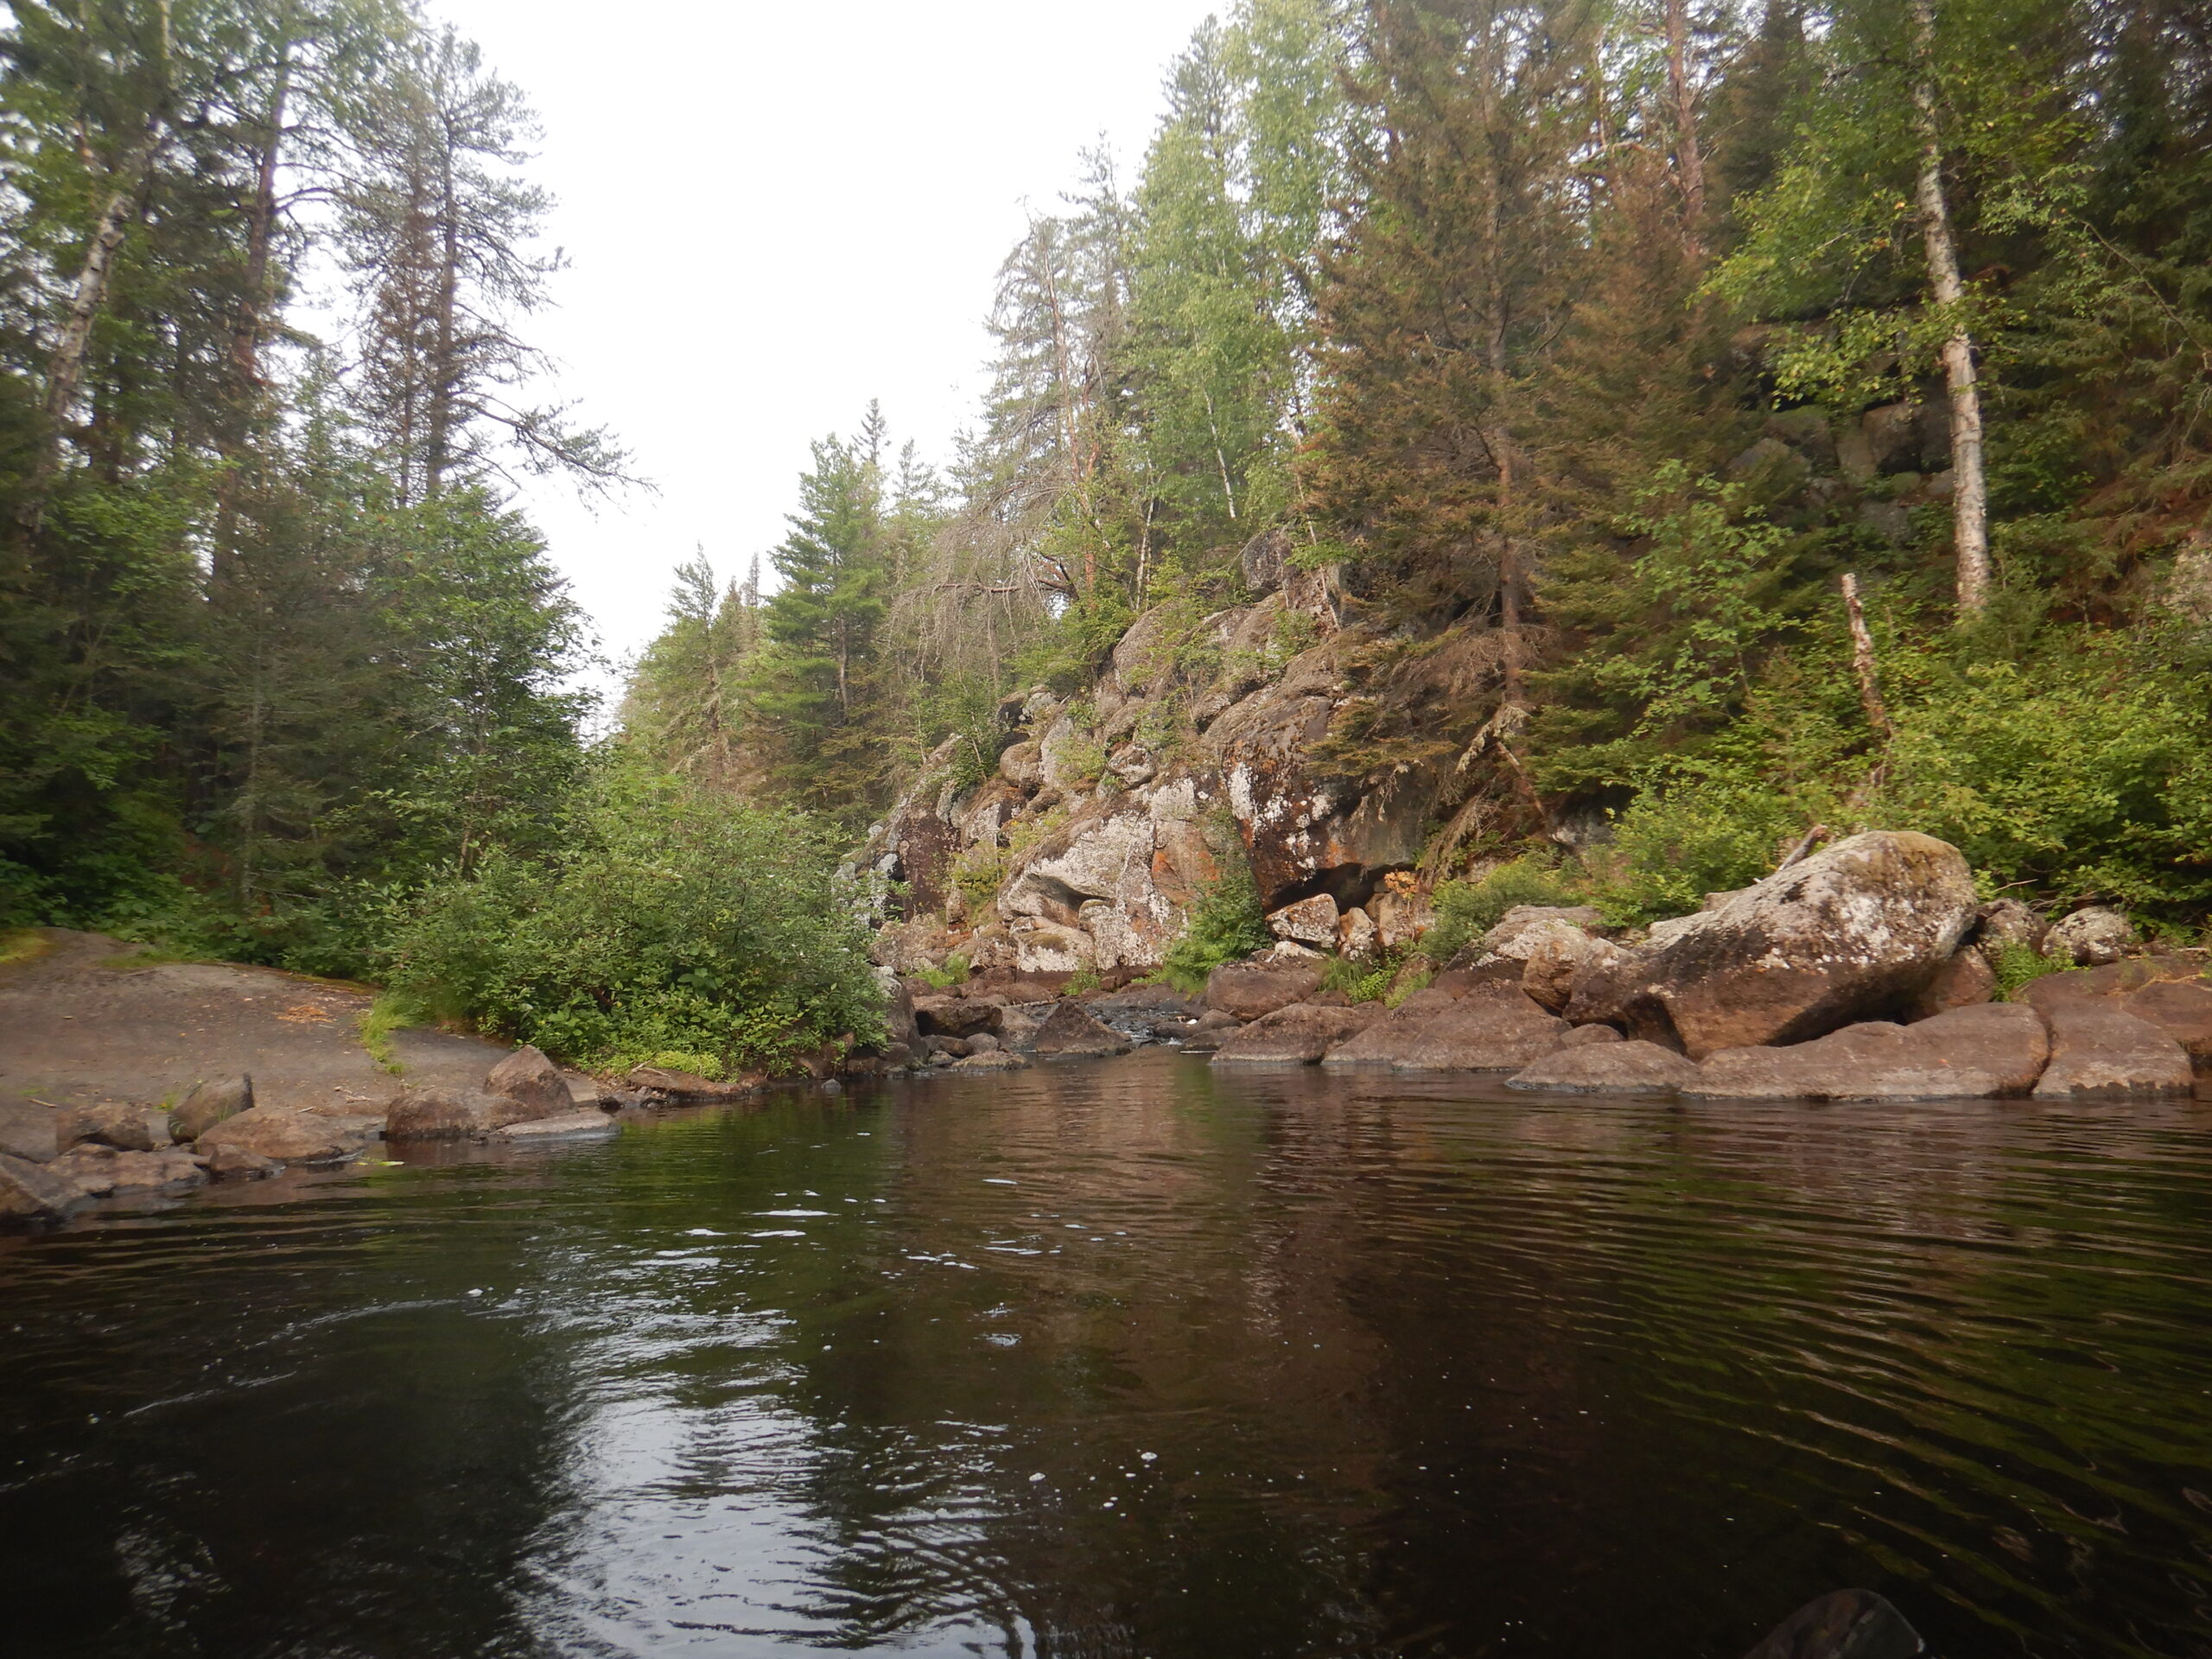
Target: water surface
1133, 1359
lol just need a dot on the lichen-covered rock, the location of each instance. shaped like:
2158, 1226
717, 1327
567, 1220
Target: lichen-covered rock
2091, 938
1855, 932
1356, 935
1250, 990
1310, 921
2100, 1049
1614, 1068
1297, 1035
1071, 1030
209, 1103
1495, 1029
528, 1077
288, 1137
2007, 922
1988, 1052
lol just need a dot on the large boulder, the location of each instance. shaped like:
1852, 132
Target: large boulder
2090, 937
31, 1191
454, 1115
1494, 1029
955, 1016
1248, 989
1297, 1035
1309, 921
126, 1127
1988, 1052
528, 1077
209, 1103
2104, 1050
286, 1136
1853, 933
1615, 1068
662, 1085
1967, 979
1071, 1030
2182, 1010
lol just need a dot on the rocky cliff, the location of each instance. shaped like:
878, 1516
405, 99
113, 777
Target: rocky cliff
1076, 838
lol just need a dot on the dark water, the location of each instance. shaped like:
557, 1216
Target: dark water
1131, 1359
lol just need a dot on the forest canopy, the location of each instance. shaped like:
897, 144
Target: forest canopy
1582, 352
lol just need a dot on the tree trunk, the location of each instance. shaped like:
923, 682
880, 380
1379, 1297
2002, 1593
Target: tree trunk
65, 371
1689, 155
249, 327
1969, 488
1862, 660
445, 373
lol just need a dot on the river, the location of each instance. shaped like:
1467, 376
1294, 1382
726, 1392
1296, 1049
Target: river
1135, 1358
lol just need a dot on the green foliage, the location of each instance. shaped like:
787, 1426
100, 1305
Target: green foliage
1362, 982
1677, 843
2017, 966
1082, 983
389, 1013
2083, 771
1225, 924
667, 921
954, 972
1467, 910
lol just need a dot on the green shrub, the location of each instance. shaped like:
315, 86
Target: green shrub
1361, 982
1672, 848
2086, 773
671, 923
954, 972
2017, 966
1225, 924
1467, 910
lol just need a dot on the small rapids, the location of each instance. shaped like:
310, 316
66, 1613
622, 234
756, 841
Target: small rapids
1136, 1359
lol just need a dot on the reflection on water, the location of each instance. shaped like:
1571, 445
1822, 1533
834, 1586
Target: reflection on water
1133, 1359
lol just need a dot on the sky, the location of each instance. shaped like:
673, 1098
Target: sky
775, 213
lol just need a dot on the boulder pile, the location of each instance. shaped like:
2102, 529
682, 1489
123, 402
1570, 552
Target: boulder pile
1864, 972
55, 1159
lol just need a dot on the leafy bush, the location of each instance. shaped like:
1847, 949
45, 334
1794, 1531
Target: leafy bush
1225, 924
955, 972
670, 922
1361, 982
1708, 836
1467, 910
2086, 773
2017, 966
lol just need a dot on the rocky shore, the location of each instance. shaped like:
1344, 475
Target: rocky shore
1868, 972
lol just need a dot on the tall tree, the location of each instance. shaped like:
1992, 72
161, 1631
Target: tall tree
437, 225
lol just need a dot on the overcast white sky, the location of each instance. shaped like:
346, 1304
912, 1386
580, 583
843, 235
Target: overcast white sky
778, 212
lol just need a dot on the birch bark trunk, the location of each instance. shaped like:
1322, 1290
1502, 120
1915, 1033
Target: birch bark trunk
1969, 485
